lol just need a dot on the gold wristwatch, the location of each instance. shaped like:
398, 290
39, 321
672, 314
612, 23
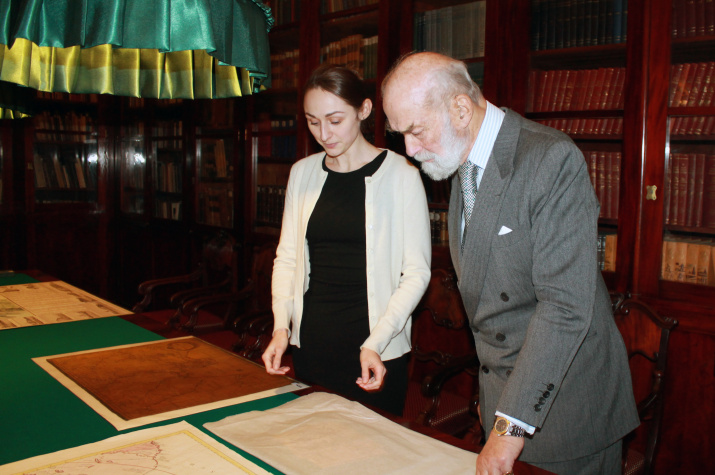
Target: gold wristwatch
503, 426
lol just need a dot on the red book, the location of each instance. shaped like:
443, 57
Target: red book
708, 86
710, 17
676, 70
699, 189
597, 90
568, 90
553, 90
668, 198
545, 78
607, 88
709, 193
690, 18
616, 84
709, 125
696, 85
680, 88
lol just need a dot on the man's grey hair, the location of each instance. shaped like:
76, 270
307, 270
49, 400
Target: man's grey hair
450, 81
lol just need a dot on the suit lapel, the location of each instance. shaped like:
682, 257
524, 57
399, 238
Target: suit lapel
483, 226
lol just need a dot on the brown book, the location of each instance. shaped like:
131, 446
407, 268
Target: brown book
690, 18
710, 17
541, 92
704, 266
680, 259
601, 180
616, 166
668, 261
609, 259
607, 205
691, 262
555, 89
597, 90
545, 99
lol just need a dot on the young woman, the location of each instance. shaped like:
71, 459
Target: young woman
354, 254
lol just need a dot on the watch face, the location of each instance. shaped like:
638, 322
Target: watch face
501, 425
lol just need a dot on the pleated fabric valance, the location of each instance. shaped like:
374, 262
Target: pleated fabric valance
169, 49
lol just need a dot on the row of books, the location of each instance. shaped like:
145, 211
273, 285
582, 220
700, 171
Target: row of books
284, 69
580, 89
213, 160
276, 138
332, 6
690, 194
604, 169
168, 176
270, 200
587, 126
577, 23
172, 130
65, 172
606, 251
47, 125
438, 226
693, 18
216, 205
284, 11
355, 52
692, 84
692, 125
688, 260
457, 31
168, 209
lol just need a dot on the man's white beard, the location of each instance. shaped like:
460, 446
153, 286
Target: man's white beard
443, 166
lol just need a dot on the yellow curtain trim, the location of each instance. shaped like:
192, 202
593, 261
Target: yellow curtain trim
124, 72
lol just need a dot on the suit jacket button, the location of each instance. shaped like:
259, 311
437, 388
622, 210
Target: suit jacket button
550, 387
504, 297
537, 407
485, 370
547, 394
500, 337
542, 400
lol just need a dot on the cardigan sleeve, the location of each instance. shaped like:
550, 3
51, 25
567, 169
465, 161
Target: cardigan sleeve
284, 266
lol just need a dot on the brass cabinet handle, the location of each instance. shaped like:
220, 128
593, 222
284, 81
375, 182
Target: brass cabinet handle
650, 192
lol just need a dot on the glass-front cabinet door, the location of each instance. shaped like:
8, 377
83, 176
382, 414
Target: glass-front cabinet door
215, 186
688, 249
133, 169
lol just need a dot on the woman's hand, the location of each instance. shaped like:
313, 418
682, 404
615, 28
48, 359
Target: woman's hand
371, 363
274, 352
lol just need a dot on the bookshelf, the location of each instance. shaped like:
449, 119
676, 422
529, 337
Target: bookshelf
215, 190
133, 166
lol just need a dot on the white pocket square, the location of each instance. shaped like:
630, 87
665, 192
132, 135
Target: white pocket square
504, 230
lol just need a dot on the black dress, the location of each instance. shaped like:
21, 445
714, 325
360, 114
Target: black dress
335, 312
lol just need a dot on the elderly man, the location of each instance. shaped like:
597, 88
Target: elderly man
555, 387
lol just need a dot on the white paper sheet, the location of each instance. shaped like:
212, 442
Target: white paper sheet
177, 449
322, 434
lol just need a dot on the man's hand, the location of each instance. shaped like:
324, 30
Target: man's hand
499, 454
370, 362
274, 352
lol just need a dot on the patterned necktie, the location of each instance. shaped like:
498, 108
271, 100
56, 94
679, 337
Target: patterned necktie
468, 179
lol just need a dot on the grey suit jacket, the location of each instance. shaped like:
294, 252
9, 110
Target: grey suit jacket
540, 312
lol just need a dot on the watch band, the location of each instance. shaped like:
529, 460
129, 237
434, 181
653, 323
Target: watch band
503, 426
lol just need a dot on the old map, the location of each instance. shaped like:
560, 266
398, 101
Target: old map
175, 449
50, 302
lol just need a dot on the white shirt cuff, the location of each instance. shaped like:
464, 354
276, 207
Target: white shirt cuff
529, 429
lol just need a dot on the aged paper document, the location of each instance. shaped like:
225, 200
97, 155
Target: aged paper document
173, 449
133, 385
50, 302
325, 434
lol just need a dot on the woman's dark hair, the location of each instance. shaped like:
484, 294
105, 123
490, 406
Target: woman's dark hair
338, 80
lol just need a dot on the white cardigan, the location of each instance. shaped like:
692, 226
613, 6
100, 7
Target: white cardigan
398, 250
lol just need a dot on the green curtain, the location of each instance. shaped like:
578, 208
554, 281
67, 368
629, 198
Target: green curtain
167, 49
